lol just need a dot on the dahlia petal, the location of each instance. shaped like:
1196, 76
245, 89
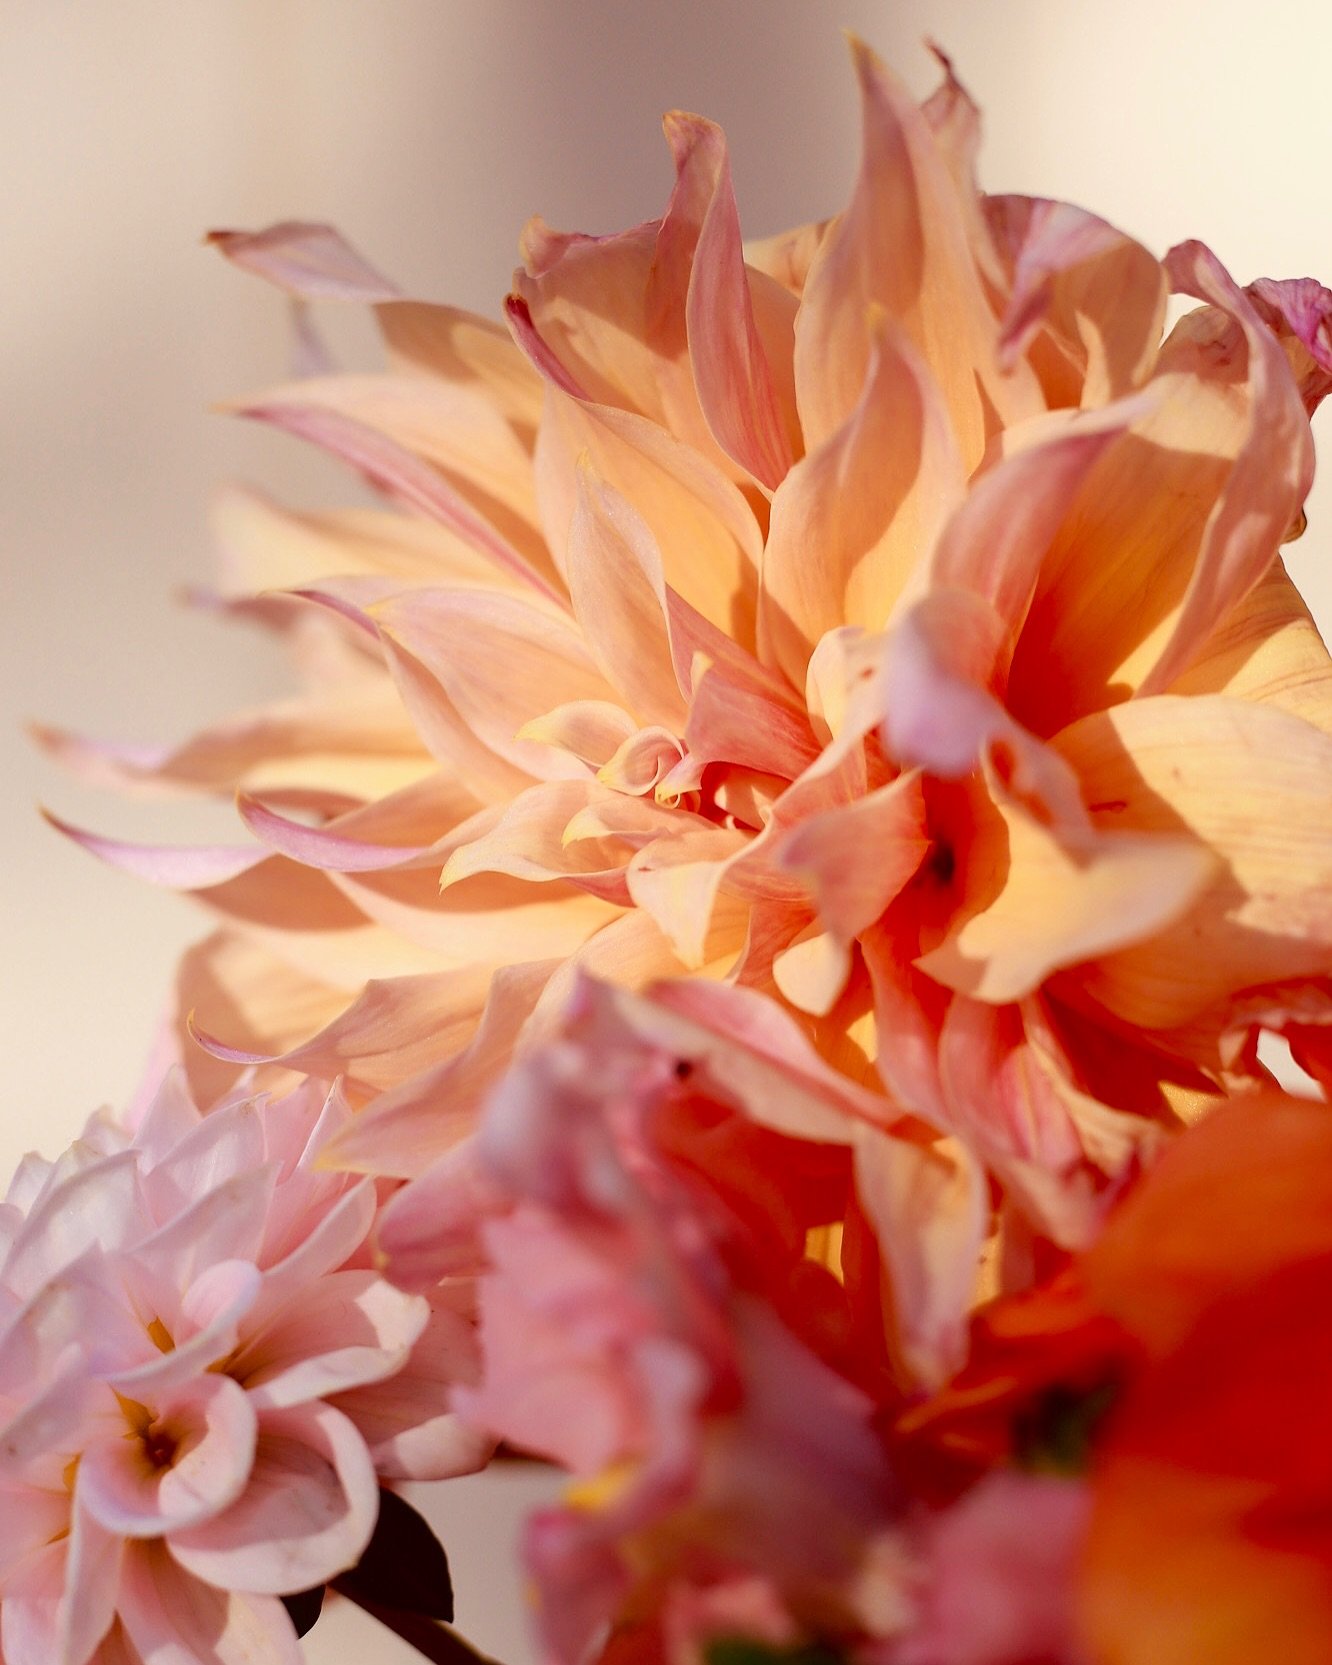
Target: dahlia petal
348, 1328
173, 1618
1268, 484
648, 759
617, 589
338, 1235
850, 892
424, 338
395, 1027
1087, 283
412, 1435
226, 1223
991, 1594
677, 882
528, 842
176, 866
1155, 764
487, 919
66, 1600
212, 1424
222, 1146
901, 245
1299, 312
411, 1125
100, 1205
1037, 898
264, 1004
398, 471
309, 261
501, 662
592, 730
266, 546
1267, 650
812, 970
430, 1229
733, 719
930, 1212
705, 530
731, 373
206, 1320
585, 302
319, 846
754, 1051
870, 499
994, 542
305, 1516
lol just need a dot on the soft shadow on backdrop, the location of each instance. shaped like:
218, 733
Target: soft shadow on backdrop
429, 130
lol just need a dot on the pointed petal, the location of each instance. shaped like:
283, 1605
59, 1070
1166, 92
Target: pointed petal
307, 260
854, 520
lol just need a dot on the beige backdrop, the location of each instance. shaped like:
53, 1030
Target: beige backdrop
429, 129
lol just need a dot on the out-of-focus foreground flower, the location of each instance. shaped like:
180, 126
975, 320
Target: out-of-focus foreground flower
202, 1379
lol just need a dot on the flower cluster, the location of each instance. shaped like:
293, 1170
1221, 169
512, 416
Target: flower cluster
810, 782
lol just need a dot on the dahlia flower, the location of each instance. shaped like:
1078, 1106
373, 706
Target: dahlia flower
877, 630
1171, 1382
202, 1380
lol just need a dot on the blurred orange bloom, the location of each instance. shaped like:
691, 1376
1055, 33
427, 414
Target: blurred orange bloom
1190, 1353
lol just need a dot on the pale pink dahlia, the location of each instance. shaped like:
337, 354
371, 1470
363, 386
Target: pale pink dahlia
202, 1380
881, 623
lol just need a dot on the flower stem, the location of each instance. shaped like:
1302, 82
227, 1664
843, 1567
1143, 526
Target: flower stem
432, 1640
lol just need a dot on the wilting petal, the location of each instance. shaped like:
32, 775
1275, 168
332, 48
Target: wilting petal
305, 1516
1271, 478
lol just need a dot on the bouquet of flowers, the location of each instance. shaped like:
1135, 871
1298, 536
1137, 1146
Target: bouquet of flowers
744, 976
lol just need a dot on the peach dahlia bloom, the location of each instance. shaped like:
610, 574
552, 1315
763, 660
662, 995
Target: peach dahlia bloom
873, 639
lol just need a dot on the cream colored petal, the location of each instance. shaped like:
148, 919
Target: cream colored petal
1253, 785
708, 538
853, 521
1033, 898
903, 245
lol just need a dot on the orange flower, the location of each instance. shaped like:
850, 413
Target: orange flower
1185, 1363
878, 624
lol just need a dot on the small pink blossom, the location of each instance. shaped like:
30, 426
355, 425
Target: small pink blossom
202, 1379
632, 1335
